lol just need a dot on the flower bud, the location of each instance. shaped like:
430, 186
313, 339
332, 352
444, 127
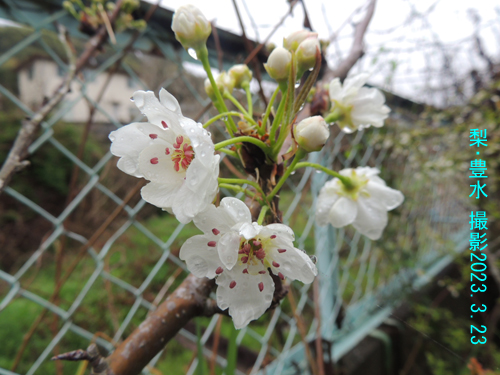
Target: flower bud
190, 26
311, 133
293, 40
306, 55
278, 64
239, 74
224, 83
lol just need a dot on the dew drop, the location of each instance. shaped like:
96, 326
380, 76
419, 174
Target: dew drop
112, 138
192, 53
293, 172
202, 154
297, 84
139, 101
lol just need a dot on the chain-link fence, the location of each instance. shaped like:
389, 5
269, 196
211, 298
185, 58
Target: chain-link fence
85, 259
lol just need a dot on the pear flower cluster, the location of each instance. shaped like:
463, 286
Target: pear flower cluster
240, 254
177, 155
173, 152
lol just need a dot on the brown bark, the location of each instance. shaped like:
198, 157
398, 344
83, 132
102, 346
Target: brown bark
189, 300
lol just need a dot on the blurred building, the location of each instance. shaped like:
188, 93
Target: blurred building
40, 78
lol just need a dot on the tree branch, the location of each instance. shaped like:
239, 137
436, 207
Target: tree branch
357, 48
189, 300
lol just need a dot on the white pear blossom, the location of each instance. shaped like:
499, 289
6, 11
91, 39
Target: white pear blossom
173, 152
359, 107
292, 41
311, 133
239, 254
190, 26
306, 55
364, 206
278, 64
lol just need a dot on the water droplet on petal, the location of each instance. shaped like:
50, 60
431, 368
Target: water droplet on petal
192, 53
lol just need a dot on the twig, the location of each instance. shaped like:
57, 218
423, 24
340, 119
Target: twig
98, 363
215, 346
357, 48
19, 150
302, 331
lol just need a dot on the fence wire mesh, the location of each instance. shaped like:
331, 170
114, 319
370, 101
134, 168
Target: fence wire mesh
85, 259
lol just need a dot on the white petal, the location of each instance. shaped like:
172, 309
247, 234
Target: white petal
227, 248
161, 195
188, 204
245, 301
371, 219
389, 198
214, 218
247, 230
155, 165
281, 230
128, 142
201, 259
293, 263
343, 212
352, 85
170, 102
335, 90
236, 209
326, 199
149, 105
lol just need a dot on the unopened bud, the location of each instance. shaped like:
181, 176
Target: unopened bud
224, 83
278, 64
190, 26
293, 40
239, 74
311, 133
306, 55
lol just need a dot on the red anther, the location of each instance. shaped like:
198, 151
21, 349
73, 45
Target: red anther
178, 141
261, 286
212, 244
245, 270
154, 161
262, 272
257, 243
167, 151
218, 271
260, 254
215, 231
244, 259
281, 250
246, 248
273, 237
281, 276
232, 284
275, 264
153, 136
176, 166
164, 124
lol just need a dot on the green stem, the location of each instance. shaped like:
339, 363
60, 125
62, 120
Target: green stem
299, 155
229, 152
248, 139
202, 54
333, 116
279, 114
262, 129
262, 215
246, 86
238, 105
241, 181
239, 189
236, 114
345, 180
